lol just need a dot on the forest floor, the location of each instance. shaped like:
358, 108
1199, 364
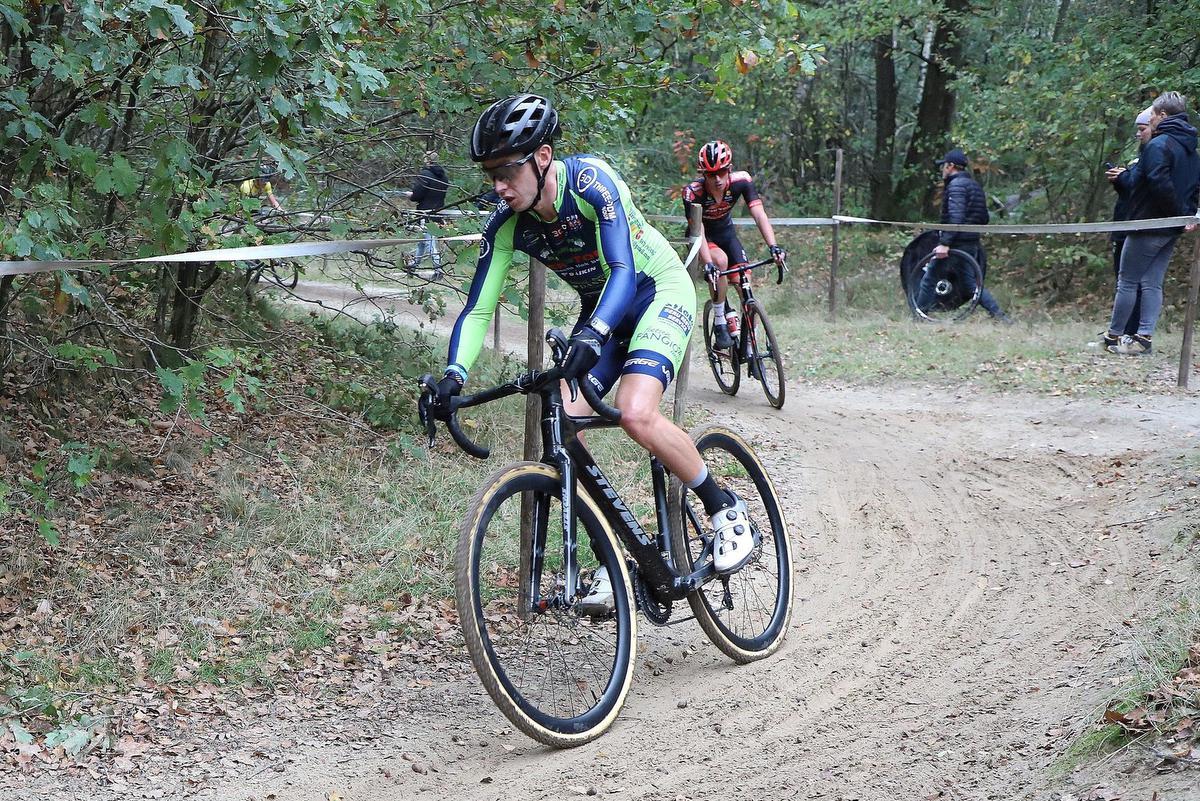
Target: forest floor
976, 575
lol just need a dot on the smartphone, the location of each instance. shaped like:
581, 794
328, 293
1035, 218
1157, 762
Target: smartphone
1108, 165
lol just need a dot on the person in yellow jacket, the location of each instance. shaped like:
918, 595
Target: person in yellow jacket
261, 187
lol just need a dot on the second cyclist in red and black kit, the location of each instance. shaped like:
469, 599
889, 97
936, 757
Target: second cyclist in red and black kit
716, 192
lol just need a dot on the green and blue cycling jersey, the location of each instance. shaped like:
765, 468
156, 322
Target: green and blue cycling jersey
631, 283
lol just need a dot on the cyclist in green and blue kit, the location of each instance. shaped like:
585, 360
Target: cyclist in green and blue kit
637, 301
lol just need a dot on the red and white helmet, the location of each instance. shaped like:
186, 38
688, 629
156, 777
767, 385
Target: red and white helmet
715, 156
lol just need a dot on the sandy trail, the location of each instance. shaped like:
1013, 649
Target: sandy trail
962, 585
961, 591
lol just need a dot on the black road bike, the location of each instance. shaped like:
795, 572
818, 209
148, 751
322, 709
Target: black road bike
537, 533
754, 343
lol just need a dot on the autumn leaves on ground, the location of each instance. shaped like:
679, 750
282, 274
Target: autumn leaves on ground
259, 597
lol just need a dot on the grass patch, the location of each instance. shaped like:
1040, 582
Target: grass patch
875, 340
1159, 694
1091, 745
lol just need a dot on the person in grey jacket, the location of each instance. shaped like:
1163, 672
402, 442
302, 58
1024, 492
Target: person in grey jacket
1164, 183
963, 203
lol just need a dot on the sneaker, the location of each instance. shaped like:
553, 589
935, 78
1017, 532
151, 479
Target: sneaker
599, 599
1135, 345
753, 370
1004, 319
1105, 342
721, 338
734, 542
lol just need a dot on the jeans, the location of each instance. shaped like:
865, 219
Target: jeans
1144, 262
926, 294
1131, 325
428, 246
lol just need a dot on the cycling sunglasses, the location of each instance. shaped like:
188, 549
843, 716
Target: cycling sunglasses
718, 173
506, 172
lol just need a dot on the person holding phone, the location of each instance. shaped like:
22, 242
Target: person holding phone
1164, 183
1121, 212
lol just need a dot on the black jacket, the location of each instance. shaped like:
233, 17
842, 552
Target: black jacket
963, 203
1121, 207
429, 190
1166, 180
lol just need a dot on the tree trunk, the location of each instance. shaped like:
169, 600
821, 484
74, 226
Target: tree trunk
1064, 8
935, 113
885, 128
179, 286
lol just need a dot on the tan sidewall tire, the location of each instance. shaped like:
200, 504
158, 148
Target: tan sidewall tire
464, 582
696, 600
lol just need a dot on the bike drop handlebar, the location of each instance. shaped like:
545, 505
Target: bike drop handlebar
780, 269
532, 381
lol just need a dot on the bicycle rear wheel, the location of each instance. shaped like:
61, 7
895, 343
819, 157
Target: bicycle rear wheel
724, 363
559, 676
765, 355
745, 614
950, 279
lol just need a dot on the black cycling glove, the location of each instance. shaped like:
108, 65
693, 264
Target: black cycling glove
450, 385
583, 351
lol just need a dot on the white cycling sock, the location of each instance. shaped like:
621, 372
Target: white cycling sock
719, 313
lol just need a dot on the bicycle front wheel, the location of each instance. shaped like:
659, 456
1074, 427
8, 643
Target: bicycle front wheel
765, 356
559, 675
745, 614
288, 274
724, 363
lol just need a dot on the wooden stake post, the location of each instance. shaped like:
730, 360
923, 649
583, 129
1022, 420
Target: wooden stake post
685, 369
535, 352
835, 254
1189, 320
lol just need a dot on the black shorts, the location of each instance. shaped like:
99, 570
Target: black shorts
728, 241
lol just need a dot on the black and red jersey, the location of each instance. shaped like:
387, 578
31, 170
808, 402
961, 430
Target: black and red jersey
717, 212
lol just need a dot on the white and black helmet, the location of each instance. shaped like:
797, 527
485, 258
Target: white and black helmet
516, 124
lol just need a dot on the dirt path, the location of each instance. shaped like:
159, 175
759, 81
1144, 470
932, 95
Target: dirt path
961, 592
959, 600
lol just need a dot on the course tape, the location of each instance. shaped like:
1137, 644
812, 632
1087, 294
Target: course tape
250, 253
268, 252
1051, 228
794, 221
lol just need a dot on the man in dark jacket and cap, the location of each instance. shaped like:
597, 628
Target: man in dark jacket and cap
963, 203
429, 193
1164, 183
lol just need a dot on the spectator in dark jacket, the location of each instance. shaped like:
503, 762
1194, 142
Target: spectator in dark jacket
963, 203
1121, 212
1164, 183
429, 193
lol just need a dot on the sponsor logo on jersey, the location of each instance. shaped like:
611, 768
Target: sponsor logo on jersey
485, 248
678, 316
586, 177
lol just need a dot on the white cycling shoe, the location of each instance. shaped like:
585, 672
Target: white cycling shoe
599, 600
733, 544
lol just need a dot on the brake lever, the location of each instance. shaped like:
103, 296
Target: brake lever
558, 345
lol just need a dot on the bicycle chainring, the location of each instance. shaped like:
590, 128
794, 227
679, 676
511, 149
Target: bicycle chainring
657, 612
